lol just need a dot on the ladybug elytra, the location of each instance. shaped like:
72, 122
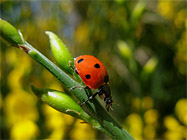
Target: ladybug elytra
95, 76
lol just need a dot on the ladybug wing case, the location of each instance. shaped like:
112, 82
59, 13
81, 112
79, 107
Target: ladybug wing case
91, 71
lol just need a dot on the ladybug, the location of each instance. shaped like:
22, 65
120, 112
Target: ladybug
95, 76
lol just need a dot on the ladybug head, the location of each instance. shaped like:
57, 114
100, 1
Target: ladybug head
105, 90
108, 100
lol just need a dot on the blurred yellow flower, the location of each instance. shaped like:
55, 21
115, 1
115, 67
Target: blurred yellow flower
151, 117
180, 18
68, 119
21, 68
174, 129
82, 131
147, 103
136, 102
181, 57
56, 122
56, 85
57, 134
52, 117
166, 8
47, 76
24, 129
171, 123
135, 125
1, 101
172, 135
81, 34
20, 105
181, 110
151, 121
14, 78
150, 131
11, 57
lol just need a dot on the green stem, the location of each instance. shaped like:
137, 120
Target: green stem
94, 109
109, 125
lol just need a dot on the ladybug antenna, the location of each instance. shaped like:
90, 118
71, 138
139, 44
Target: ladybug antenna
116, 103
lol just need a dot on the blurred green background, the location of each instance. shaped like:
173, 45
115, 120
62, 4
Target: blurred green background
143, 45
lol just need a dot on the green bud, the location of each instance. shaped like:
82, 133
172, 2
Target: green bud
60, 52
63, 103
58, 100
138, 10
126, 52
149, 68
124, 49
10, 33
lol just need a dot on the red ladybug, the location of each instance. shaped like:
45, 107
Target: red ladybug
95, 76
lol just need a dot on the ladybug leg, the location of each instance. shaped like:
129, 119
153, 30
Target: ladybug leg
108, 107
75, 88
79, 87
74, 69
90, 98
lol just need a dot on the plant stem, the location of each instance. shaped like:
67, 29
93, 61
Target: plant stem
109, 125
105, 122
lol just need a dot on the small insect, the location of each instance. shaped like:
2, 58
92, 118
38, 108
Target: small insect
95, 76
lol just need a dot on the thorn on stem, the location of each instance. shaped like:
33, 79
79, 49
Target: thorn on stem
70, 110
24, 48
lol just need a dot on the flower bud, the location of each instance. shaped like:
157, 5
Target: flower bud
61, 102
138, 11
60, 52
124, 50
10, 33
149, 68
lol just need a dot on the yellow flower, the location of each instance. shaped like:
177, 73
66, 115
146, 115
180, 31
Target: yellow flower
174, 129
166, 8
136, 103
151, 116
52, 117
56, 85
21, 68
135, 124
171, 123
82, 131
149, 131
1, 101
81, 33
56, 121
180, 18
24, 129
57, 134
147, 103
181, 110
20, 105
14, 78
181, 57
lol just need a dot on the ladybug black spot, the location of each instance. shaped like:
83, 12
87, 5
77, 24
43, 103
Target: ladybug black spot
97, 65
106, 79
88, 76
80, 60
